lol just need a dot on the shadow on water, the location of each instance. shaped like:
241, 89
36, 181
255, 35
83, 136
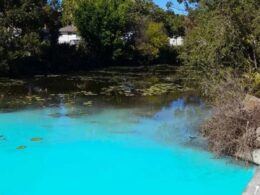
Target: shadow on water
157, 85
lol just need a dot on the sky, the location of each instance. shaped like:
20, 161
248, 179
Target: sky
177, 8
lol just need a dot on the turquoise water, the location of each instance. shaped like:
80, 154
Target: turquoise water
112, 150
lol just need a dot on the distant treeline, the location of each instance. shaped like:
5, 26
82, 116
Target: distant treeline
114, 32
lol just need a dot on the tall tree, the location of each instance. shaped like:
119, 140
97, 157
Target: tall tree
151, 40
53, 20
22, 24
68, 11
104, 25
225, 33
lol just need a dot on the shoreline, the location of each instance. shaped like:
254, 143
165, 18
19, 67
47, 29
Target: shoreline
253, 187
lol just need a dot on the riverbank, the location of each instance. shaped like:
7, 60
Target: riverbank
253, 187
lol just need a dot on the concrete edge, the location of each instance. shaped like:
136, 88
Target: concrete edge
253, 187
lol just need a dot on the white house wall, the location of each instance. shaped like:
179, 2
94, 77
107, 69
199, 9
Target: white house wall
68, 39
178, 41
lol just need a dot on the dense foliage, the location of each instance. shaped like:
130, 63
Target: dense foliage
105, 26
113, 32
221, 57
23, 27
20, 27
151, 39
126, 30
224, 34
69, 7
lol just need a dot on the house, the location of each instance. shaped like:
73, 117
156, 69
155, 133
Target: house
176, 41
68, 35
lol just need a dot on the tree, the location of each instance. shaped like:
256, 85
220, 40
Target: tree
104, 25
68, 9
224, 34
152, 40
174, 24
53, 20
147, 10
22, 24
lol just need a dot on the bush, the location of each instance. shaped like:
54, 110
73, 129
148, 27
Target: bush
231, 129
253, 79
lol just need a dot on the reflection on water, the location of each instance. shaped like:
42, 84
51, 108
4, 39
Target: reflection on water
113, 148
113, 84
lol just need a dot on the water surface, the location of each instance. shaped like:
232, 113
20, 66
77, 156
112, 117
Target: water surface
112, 150
119, 131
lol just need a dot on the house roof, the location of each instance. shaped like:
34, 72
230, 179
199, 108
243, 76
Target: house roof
68, 29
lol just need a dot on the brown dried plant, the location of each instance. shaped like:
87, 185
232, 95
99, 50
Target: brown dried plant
231, 128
